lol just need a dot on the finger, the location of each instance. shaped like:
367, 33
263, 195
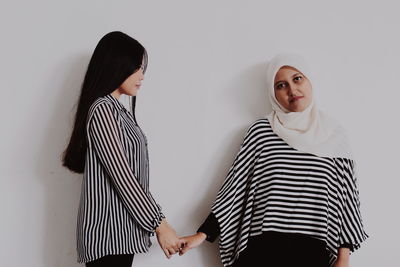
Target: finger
184, 250
176, 247
171, 251
166, 252
181, 243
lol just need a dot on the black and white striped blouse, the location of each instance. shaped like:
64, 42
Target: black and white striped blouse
117, 213
274, 187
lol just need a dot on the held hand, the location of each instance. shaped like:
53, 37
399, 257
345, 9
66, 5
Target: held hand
192, 241
167, 239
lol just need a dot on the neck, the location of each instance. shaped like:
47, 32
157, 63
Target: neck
116, 94
299, 121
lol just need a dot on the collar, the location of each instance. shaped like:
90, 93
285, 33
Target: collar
118, 105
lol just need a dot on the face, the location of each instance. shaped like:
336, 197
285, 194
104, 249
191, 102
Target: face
132, 84
292, 89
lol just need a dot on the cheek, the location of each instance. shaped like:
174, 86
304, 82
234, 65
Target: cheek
125, 86
136, 76
129, 84
306, 89
309, 91
281, 97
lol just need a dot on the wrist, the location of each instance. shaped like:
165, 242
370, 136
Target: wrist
161, 226
202, 236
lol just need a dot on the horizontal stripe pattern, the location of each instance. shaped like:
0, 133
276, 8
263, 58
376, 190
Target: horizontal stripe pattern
274, 187
117, 212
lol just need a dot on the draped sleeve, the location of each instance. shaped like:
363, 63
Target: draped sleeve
234, 199
352, 230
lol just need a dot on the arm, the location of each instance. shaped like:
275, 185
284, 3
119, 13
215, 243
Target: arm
210, 228
352, 232
105, 133
209, 231
192, 241
343, 259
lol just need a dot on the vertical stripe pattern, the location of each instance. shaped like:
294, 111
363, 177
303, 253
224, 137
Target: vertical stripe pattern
274, 187
117, 212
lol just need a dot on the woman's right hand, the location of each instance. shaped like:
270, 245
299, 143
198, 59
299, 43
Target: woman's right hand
192, 241
167, 239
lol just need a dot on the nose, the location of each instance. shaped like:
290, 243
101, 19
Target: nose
292, 88
141, 76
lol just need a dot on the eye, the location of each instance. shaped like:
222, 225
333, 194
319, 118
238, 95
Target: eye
297, 78
280, 85
141, 67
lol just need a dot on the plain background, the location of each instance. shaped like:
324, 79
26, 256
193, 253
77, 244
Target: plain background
204, 86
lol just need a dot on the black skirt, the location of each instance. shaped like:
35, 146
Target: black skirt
274, 249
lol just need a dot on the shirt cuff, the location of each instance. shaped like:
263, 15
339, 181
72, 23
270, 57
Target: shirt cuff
210, 227
157, 222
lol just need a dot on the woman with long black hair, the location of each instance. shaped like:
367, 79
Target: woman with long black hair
117, 213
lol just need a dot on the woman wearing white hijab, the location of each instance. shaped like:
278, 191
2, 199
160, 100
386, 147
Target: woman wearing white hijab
290, 197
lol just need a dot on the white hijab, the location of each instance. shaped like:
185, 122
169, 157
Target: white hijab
311, 130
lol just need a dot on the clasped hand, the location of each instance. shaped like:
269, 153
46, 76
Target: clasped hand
171, 244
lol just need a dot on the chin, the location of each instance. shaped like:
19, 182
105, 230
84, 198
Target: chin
132, 93
296, 109
300, 109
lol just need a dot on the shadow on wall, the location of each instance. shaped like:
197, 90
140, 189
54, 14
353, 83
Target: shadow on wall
61, 187
254, 104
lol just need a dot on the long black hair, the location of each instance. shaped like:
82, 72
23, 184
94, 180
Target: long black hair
114, 59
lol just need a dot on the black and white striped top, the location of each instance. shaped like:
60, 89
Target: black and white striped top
274, 187
117, 213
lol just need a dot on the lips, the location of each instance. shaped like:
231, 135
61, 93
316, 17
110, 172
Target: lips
295, 98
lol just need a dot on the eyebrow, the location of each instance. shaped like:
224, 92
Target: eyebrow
297, 73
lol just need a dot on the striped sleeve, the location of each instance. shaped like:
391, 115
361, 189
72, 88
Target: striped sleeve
105, 133
352, 232
233, 203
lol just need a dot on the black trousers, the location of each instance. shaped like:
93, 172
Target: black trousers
112, 261
273, 249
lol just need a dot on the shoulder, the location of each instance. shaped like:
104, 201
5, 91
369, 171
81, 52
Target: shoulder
344, 163
258, 128
99, 107
345, 166
346, 172
260, 124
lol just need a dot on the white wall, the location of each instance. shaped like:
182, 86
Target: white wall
203, 88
